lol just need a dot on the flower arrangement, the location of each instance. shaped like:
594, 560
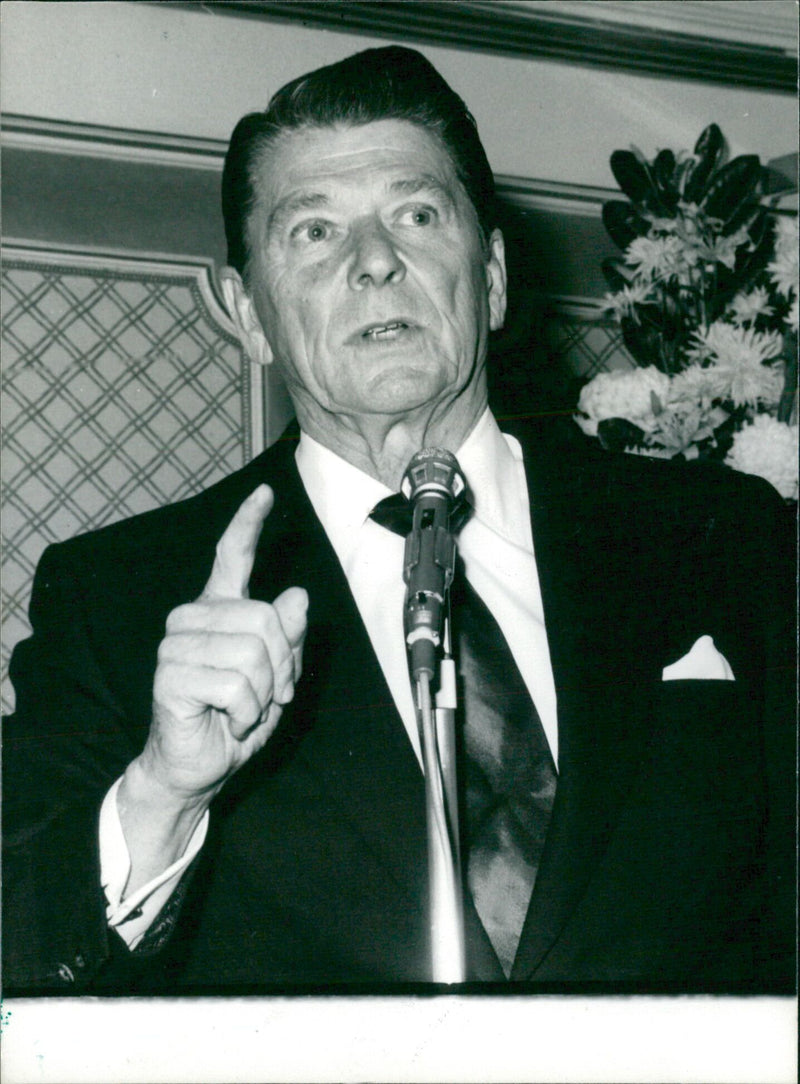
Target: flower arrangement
706, 294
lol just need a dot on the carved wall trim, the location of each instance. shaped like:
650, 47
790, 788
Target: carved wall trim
635, 37
118, 144
39, 135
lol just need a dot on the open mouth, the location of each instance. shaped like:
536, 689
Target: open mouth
380, 332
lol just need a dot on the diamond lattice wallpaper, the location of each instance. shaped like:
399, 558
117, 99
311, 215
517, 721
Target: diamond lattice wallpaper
123, 389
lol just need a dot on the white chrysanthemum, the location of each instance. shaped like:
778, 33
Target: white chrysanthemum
624, 302
694, 384
724, 249
784, 268
621, 394
747, 307
748, 385
738, 369
793, 315
728, 344
661, 257
768, 448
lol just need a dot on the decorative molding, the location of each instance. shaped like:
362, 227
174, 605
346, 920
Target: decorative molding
770, 23
614, 36
146, 266
118, 144
535, 194
156, 148
578, 308
155, 266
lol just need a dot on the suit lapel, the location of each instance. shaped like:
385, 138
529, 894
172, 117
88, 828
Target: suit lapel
343, 722
604, 678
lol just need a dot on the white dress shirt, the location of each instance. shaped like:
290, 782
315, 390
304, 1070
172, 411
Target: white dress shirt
496, 546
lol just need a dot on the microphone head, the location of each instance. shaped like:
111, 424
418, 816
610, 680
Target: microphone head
433, 470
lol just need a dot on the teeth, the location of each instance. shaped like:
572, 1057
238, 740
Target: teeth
383, 330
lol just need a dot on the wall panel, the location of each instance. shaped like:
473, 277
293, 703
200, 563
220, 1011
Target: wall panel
124, 389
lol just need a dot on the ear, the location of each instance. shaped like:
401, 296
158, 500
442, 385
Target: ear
496, 280
242, 311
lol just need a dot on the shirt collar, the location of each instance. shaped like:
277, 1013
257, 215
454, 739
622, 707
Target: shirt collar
343, 495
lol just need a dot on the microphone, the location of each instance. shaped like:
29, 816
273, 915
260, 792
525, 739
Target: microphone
435, 487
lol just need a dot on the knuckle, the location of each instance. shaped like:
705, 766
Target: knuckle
164, 653
164, 681
183, 617
240, 687
254, 653
269, 625
180, 647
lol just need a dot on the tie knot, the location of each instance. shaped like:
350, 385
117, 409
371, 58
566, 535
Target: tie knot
395, 513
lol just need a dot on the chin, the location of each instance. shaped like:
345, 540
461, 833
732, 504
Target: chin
405, 387
402, 396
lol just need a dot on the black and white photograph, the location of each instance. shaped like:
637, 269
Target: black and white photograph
399, 541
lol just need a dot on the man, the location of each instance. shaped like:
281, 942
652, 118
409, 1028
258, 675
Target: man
237, 803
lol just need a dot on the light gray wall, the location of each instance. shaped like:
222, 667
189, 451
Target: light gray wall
194, 72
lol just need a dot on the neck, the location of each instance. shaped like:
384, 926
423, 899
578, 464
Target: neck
382, 445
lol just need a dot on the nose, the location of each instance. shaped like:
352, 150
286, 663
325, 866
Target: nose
374, 259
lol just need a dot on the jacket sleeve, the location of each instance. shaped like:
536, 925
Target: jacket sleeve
68, 740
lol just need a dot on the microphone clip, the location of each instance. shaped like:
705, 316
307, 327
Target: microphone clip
436, 490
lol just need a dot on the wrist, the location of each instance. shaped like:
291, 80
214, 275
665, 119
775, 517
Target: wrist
157, 822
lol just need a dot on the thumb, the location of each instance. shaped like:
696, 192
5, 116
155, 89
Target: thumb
236, 549
292, 609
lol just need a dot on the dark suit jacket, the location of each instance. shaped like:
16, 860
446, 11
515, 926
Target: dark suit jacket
669, 861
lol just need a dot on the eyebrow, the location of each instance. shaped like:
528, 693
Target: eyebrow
297, 201
424, 182
314, 201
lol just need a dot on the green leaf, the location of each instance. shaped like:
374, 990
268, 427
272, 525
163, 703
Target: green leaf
617, 434
611, 272
732, 185
643, 341
664, 174
708, 151
762, 233
634, 178
682, 174
623, 222
776, 183
745, 215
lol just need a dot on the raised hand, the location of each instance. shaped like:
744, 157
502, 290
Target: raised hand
226, 668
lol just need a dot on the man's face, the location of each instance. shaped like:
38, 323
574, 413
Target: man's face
368, 275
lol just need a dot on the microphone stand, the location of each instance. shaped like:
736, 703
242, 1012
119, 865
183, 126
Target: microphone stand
433, 483
437, 732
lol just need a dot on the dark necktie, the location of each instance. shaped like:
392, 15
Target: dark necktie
508, 779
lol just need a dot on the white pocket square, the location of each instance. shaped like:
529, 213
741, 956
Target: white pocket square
703, 662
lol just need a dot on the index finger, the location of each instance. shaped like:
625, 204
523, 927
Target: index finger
236, 549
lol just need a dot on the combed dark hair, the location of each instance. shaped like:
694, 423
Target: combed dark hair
377, 84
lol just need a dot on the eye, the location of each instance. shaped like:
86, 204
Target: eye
313, 232
419, 216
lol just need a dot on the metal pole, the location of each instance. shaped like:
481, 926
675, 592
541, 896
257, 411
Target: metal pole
444, 868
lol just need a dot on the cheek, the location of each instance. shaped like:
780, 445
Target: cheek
463, 306
295, 306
